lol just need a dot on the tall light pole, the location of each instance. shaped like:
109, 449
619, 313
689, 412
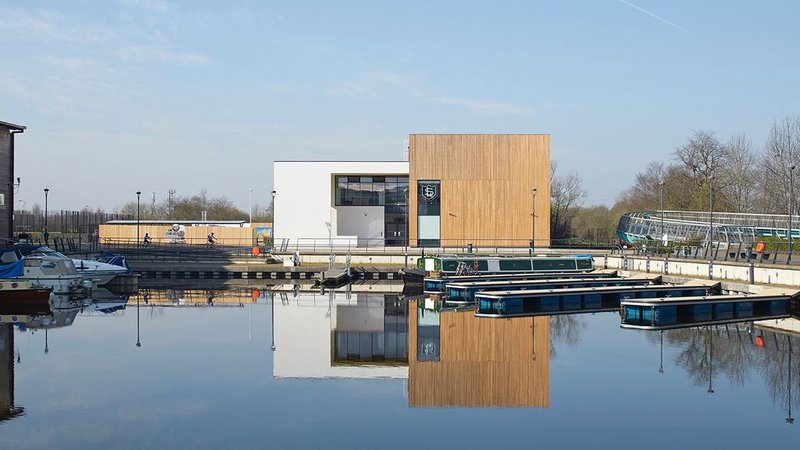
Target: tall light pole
46, 234
661, 201
274, 241
251, 207
533, 219
138, 196
711, 216
405, 240
791, 211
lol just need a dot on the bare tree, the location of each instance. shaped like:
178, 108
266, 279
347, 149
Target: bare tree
644, 194
781, 152
566, 196
739, 189
702, 156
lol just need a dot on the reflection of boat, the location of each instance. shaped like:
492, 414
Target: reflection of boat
106, 302
693, 311
21, 292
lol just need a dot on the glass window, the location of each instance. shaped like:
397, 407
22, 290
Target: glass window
515, 264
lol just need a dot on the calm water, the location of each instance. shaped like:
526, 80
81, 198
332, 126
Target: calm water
370, 370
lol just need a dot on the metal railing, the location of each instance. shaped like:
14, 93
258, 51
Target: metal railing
734, 251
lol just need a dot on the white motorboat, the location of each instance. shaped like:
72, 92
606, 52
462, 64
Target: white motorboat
58, 274
99, 272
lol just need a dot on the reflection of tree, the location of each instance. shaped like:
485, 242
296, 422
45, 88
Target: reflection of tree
732, 350
565, 329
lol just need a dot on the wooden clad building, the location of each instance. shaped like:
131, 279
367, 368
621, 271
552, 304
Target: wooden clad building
478, 188
482, 362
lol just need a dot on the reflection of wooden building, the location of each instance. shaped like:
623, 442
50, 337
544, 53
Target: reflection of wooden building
482, 362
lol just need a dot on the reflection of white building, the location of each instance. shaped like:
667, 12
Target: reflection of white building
364, 336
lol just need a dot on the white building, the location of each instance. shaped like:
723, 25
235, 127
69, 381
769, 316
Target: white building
341, 203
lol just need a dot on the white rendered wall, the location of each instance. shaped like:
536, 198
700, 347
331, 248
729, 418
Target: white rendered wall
304, 196
366, 222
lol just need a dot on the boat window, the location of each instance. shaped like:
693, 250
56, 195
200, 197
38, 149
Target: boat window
553, 264
515, 264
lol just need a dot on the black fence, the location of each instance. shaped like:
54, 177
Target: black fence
66, 222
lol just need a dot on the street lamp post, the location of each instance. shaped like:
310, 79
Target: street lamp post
533, 219
661, 201
138, 196
405, 240
711, 217
274, 241
251, 207
46, 234
791, 211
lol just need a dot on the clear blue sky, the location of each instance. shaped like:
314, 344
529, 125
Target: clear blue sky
127, 95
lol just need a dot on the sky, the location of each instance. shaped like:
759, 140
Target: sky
122, 96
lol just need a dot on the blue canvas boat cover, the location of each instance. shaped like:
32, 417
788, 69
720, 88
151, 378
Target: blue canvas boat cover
12, 270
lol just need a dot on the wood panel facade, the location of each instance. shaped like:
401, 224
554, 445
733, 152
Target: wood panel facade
483, 362
242, 236
486, 182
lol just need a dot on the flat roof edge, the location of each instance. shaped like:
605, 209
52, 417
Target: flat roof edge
479, 134
12, 126
337, 161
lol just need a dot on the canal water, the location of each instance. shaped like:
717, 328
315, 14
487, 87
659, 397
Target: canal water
369, 368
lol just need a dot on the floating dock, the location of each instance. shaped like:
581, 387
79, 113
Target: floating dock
465, 292
439, 285
571, 300
692, 311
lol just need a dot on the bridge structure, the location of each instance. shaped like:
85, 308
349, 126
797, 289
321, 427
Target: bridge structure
682, 226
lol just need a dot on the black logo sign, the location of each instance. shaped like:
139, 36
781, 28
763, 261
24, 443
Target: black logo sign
429, 192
